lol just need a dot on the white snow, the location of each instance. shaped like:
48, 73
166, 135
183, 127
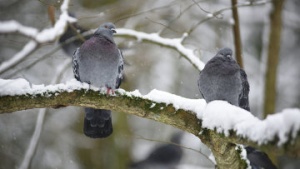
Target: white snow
210, 15
218, 115
243, 155
173, 43
194, 105
14, 26
223, 117
22, 86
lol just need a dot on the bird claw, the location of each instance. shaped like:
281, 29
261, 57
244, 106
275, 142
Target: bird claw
110, 91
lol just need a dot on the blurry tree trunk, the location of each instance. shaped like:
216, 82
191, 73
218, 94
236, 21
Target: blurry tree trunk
272, 62
273, 57
236, 34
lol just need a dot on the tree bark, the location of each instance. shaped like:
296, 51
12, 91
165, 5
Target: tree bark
273, 57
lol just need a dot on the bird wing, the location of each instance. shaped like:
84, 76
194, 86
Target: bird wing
243, 96
120, 70
199, 86
75, 64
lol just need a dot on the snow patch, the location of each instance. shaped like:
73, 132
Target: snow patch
194, 105
223, 117
243, 155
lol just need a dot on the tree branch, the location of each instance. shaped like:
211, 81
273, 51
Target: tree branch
190, 115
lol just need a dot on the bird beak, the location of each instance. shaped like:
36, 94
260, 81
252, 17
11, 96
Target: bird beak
113, 30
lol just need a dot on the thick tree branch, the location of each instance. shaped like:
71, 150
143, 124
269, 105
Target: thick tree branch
175, 110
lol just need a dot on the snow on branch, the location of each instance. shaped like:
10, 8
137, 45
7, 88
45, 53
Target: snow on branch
192, 115
171, 43
46, 35
14, 26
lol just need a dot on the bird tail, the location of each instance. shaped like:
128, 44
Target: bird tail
97, 123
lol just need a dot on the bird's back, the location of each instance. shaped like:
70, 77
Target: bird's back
98, 61
220, 80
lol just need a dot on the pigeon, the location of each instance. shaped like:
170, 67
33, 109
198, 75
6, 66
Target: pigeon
223, 79
166, 156
99, 62
258, 159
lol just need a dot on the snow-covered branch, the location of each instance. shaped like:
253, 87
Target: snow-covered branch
46, 35
167, 42
215, 119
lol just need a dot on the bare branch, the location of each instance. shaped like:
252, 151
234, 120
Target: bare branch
217, 13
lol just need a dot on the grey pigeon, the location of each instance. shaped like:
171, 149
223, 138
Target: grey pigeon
166, 156
99, 62
223, 79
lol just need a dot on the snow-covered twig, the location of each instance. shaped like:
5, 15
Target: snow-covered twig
46, 35
171, 43
16, 27
39, 122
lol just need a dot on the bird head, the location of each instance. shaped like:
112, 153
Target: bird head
110, 26
225, 52
104, 32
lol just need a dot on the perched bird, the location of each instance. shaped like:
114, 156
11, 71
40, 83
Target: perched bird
99, 62
166, 156
223, 79
258, 159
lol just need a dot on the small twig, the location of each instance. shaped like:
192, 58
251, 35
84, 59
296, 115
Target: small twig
217, 13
